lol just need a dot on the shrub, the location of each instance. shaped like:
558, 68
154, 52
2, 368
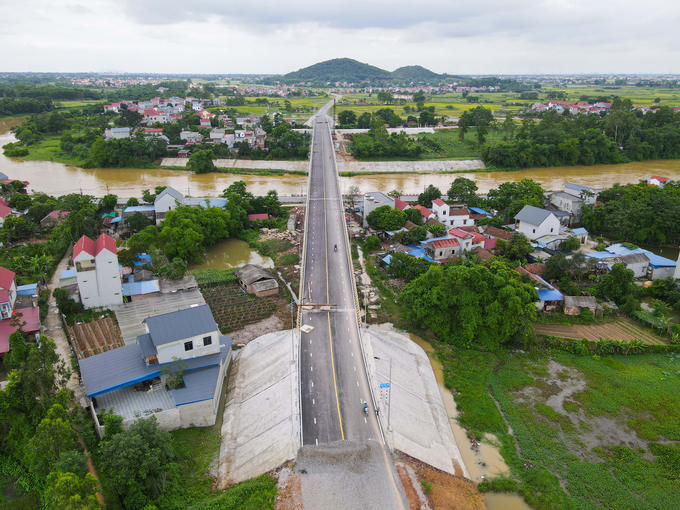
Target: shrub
427, 486
288, 259
371, 243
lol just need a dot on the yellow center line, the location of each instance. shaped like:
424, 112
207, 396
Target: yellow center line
328, 298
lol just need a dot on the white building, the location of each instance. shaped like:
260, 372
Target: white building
373, 200
116, 133
441, 210
97, 272
191, 136
568, 203
534, 222
166, 201
586, 193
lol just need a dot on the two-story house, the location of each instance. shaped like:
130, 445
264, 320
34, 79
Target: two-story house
30, 315
568, 203
534, 222
97, 272
166, 201
443, 249
135, 380
585, 193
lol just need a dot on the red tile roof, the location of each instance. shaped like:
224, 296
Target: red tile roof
6, 278
438, 201
153, 130
253, 217
424, 211
84, 244
497, 232
482, 254
5, 211
460, 233
535, 268
444, 243
105, 242
400, 204
31, 316
661, 179
58, 214
459, 212
409, 225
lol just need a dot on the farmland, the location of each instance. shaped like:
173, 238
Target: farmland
624, 330
587, 432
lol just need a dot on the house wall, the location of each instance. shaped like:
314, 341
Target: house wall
270, 292
638, 268
176, 349
108, 279
662, 272
164, 204
443, 253
199, 414
460, 221
564, 204
12, 294
442, 212
551, 225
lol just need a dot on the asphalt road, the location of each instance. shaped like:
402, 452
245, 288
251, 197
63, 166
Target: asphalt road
334, 384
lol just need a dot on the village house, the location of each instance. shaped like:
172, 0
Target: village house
373, 200
534, 222
643, 263
585, 193
468, 240
443, 249
134, 382
53, 219
10, 308
116, 133
191, 136
425, 212
257, 280
574, 304
569, 204
166, 201
97, 272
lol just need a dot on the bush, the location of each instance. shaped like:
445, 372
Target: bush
427, 486
66, 305
600, 247
288, 259
371, 243
587, 315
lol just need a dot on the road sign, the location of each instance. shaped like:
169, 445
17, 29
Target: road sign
385, 385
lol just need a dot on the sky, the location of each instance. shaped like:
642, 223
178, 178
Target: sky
277, 36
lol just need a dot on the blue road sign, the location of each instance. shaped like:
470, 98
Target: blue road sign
385, 385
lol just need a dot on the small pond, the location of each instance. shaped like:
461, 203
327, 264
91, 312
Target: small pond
230, 253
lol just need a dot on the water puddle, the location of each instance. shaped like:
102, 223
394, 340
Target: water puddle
229, 253
483, 460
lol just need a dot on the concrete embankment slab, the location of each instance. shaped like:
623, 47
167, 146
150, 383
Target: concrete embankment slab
418, 419
430, 166
261, 427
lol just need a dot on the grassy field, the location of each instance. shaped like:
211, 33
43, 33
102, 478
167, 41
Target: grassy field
588, 432
49, 149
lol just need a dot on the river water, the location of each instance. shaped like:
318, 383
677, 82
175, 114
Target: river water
58, 179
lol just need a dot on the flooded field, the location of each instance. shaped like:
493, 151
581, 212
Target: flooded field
230, 253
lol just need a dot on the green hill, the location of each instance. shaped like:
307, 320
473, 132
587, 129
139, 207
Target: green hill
414, 73
338, 69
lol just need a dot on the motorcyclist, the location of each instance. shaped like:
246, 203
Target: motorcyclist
335, 247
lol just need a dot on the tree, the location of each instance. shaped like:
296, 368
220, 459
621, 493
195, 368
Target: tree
417, 234
385, 97
463, 125
482, 131
463, 190
427, 118
136, 461
201, 161
20, 201
347, 117
395, 193
54, 436
518, 247
618, 284
68, 491
371, 243
572, 243
132, 202
414, 215
109, 201
427, 196
509, 125
353, 193
138, 222
364, 121
437, 229
471, 306
386, 218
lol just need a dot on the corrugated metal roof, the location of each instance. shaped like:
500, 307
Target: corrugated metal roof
139, 208
550, 295
115, 369
170, 191
200, 385
175, 326
27, 290
69, 273
141, 288
533, 215
147, 346
251, 273
579, 231
577, 187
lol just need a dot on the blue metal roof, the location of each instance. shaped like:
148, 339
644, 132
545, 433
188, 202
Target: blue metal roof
117, 219
27, 290
478, 210
214, 202
199, 385
140, 288
550, 295
69, 273
143, 258
174, 326
579, 231
139, 208
148, 348
387, 259
614, 250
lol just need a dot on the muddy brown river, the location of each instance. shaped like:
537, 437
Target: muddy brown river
58, 179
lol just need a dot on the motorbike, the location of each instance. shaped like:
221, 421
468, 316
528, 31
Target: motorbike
335, 247
366, 407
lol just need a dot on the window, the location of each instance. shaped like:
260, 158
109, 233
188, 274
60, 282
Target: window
207, 340
188, 346
464, 222
534, 231
551, 230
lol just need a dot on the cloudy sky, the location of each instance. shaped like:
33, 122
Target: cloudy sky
277, 36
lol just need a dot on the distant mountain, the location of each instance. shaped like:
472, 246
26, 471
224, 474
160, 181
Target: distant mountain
338, 69
414, 73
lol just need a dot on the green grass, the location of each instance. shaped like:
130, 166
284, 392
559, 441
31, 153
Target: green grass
49, 149
635, 392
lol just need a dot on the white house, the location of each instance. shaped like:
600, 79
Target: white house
443, 249
468, 240
460, 218
658, 180
373, 200
534, 222
191, 136
568, 203
166, 201
441, 210
97, 272
586, 193
133, 380
116, 133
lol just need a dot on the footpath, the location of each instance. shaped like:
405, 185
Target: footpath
52, 327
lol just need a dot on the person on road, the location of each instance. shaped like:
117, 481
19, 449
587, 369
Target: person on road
335, 247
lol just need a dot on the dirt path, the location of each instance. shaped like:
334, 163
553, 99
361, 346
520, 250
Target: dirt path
52, 328
624, 330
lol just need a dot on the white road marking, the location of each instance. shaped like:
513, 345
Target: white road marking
313, 402
365, 420
352, 354
314, 421
355, 369
357, 383
311, 368
312, 384
317, 442
310, 354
